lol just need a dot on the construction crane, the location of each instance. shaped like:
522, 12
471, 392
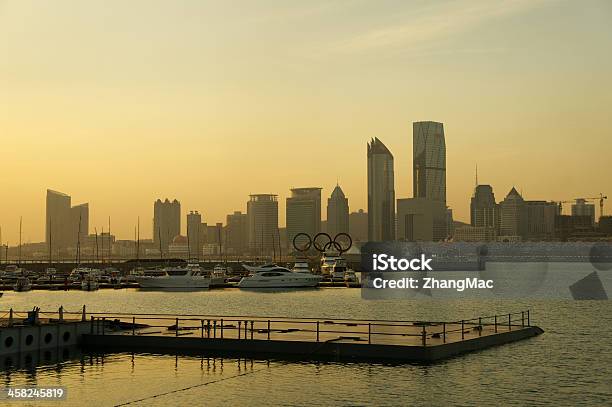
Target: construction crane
560, 204
601, 198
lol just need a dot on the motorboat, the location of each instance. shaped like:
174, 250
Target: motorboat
13, 271
338, 269
257, 269
301, 266
328, 261
80, 273
22, 284
90, 283
219, 274
175, 277
351, 279
279, 277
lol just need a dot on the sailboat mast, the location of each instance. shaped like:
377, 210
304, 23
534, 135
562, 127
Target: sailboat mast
97, 253
20, 221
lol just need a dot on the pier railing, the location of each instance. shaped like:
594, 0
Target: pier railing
420, 333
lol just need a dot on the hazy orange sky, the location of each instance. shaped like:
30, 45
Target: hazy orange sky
119, 103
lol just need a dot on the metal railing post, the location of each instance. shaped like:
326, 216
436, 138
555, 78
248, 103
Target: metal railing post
509, 322
246, 323
239, 328
444, 332
133, 325
528, 321
462, 333
177, 327
496, 323
479, 326
202, 328
269, 330
215, 329
103, 324
208, 328
424, 336
252, 323
369, 333
317, 331
221, 328
523, 319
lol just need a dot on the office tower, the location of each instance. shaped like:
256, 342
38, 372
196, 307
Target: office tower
237, 233
484, 210
337, 213
262, 213
429, 161
303, 212
582, 208
513, 217
540, 221
166, 222
194, 225
420, 219
358, 226
381, 192
62, 221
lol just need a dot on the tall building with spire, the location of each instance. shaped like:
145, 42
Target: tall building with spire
381, 192
484, 210
337, 212
429, 161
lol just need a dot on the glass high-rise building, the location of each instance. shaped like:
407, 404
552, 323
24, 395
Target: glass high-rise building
381, 192
429, 161
337, 212
303, 213
262, 216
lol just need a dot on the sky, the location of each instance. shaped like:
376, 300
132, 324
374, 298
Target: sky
120, 103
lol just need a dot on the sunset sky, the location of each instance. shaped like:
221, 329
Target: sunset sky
118, 103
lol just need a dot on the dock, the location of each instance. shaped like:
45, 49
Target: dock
305, 338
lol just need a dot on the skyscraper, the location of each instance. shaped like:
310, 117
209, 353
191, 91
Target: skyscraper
358, 226
303, 212
194, 226
237, 232
337, 212
582, 208
429, 161
262, 213
484, 211
166, 221
381, 192
62, 220
513, 216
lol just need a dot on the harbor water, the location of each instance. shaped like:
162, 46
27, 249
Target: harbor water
569, 365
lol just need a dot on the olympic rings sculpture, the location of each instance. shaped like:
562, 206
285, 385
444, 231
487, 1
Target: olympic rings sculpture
342, 242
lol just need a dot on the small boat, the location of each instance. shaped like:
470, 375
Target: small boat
279, 277
13, 271
328, 261
22, 284
219, 274
90, 283
176, 278
301, 266
351, 279
338, 269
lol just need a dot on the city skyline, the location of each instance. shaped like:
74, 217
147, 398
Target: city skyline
154, 107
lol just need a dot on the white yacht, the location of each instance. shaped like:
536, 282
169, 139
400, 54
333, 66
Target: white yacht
175, 277
22, 284
338, 270
279, 277
80, 273
328, 261
257, 269
351, 279
219, 274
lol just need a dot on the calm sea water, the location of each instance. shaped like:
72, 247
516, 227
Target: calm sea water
570, 364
